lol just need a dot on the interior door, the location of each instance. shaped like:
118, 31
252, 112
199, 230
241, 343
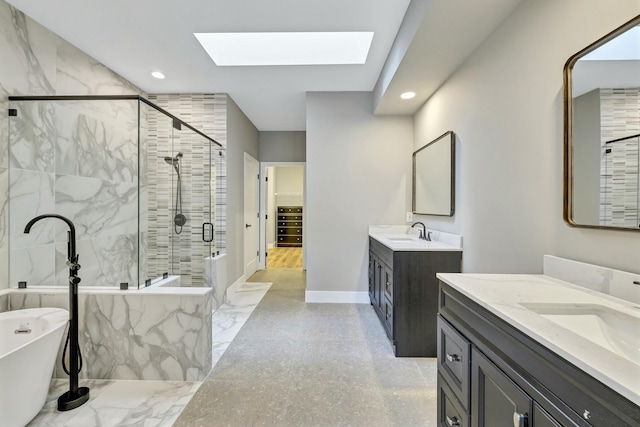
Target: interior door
251, 215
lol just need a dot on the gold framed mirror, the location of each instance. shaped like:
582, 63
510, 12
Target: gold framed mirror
602, 132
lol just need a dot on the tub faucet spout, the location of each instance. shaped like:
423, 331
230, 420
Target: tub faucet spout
76, 396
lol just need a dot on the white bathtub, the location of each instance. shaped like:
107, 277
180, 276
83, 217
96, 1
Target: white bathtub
27, 360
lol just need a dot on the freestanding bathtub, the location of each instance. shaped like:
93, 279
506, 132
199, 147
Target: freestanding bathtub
29, 342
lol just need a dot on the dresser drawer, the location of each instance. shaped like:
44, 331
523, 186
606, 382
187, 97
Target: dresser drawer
290, 239
454, 353
290, 217
295, 231
450, 411
289, 209
290, 223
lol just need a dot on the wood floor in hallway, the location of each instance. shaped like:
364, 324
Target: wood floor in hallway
284, 258
299, 364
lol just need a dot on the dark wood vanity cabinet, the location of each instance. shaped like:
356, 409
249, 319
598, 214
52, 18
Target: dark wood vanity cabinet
492, 375
403, 290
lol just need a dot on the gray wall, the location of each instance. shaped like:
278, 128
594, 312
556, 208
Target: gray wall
505, 105
586, 158
242, 136
358, 173
283, 146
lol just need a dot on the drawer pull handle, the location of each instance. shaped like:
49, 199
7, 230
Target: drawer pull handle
453, 421
519, 420
453, 357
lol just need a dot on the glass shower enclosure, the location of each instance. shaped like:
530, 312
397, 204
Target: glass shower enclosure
138, 183
620, 182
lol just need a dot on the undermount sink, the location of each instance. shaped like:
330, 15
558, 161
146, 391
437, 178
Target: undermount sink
401, 238
606, 327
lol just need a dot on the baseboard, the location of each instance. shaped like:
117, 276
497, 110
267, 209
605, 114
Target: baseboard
231, 290
337, 297
271, 245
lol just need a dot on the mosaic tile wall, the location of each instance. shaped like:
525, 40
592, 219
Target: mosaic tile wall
619, 169
201, 174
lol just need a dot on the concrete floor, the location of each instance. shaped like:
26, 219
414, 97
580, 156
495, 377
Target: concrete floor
298, 364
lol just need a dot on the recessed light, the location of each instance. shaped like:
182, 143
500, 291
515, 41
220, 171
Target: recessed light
408, 95
157, 75
296, 48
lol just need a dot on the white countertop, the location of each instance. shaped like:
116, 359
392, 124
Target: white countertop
504, 294
404, 238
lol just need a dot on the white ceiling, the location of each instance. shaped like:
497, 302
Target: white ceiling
136, 37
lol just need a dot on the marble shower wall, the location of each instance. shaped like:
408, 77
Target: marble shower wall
78, 159
38, 62
620, 168
136, 334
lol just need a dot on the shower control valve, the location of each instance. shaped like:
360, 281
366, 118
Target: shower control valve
73, 265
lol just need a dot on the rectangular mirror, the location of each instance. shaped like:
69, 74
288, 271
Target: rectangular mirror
434, 177
602, 131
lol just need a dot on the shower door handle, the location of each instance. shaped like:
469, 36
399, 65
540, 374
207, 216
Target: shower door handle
206, 225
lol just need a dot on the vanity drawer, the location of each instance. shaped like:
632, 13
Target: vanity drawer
454, 353
450, 411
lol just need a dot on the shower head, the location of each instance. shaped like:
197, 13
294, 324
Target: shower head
174, 161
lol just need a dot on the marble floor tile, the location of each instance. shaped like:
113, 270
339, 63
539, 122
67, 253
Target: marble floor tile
119, 403
229, 318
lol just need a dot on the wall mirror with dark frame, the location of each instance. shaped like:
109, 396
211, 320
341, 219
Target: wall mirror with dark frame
434, 177
602, 132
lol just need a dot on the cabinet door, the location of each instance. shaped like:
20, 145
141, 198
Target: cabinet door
497, 401
379, 271
387, 282
371, 277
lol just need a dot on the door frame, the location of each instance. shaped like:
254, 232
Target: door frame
263, 209
248, 158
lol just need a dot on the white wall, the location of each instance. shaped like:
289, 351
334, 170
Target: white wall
505, 105
242, 136
290, 186
358, 173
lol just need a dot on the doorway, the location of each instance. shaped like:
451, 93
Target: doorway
283, 199
251, 215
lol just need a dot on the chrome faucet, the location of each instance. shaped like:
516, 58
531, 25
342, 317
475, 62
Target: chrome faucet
423, 233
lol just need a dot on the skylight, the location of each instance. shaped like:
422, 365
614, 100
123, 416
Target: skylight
313, 48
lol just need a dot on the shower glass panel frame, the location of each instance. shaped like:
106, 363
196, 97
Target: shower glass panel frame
620, 182
100, 160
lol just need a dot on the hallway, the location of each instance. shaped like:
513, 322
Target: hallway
297, 364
